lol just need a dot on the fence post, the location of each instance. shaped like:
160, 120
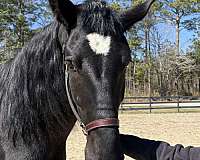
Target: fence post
121, 106
150, 104
178, 104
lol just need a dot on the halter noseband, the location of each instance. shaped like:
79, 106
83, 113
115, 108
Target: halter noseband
99, 123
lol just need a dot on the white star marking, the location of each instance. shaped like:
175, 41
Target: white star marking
99, 44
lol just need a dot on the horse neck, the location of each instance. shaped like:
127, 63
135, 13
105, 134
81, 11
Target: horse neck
35, 90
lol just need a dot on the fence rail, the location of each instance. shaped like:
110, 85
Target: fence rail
160, 103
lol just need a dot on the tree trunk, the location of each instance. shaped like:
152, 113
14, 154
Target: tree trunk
146, 46
134, 71
149, 59
177, 35
21, 23
146, 60
199, 82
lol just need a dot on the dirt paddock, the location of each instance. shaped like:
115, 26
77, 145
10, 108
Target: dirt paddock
182, 128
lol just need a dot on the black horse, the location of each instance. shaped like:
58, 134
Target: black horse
35, 113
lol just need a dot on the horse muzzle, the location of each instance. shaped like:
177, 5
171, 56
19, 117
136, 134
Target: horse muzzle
99, 123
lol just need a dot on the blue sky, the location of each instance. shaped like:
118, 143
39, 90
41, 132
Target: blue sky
169, 32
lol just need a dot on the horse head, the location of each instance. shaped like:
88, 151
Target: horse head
96, 53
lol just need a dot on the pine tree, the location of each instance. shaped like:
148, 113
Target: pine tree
176, 12
17, 20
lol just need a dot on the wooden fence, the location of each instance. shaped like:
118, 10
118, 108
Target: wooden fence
160, 103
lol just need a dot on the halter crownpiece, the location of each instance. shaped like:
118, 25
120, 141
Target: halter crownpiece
99, 123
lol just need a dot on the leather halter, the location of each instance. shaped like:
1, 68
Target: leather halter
99, 123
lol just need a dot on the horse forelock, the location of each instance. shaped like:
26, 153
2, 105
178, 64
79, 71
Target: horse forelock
98, 17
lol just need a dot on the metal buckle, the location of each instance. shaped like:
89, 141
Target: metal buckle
82, 125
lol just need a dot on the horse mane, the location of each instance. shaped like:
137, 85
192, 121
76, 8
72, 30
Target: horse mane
98, 17
32, 89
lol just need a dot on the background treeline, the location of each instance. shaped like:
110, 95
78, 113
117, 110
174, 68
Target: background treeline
19, 21
160, 66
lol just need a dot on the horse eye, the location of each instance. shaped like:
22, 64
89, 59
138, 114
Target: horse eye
125, 61
73, 63
69, 65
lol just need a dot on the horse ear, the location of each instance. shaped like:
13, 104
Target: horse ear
135, 14
64, 11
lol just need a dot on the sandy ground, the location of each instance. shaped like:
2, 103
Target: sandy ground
182, 128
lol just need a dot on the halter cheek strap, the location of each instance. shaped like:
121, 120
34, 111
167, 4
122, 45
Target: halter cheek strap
99, 123
72, 104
